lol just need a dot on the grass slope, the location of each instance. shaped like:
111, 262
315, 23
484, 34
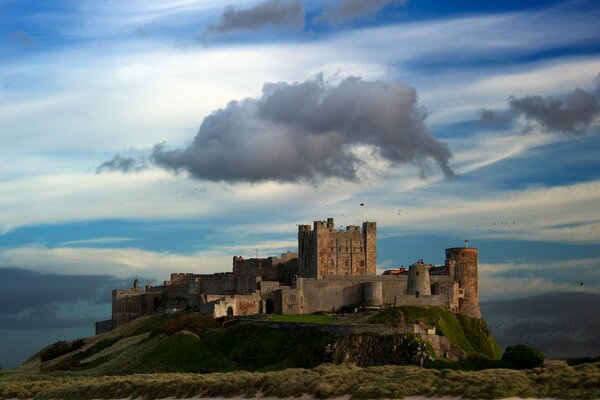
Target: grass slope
471, 334
191, 342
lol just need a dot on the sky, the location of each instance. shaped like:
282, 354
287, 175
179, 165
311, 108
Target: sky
147, 137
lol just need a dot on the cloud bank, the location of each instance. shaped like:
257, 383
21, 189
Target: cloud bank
282, 14
309, 131
345, 11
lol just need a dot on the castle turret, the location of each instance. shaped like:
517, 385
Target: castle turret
373, 293
465, 274
418, 280
369, 231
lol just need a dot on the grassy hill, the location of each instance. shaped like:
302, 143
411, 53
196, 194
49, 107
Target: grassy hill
471, 334
191, 342
159, 356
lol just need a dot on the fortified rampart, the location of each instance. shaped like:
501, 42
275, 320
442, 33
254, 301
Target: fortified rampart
332, 269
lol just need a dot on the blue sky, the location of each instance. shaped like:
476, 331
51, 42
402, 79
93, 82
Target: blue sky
366, 102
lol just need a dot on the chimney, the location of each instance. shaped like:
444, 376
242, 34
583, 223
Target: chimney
466, 243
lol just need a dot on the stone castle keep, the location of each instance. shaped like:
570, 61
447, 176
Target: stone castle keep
333, 268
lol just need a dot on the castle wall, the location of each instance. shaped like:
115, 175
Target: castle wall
126, 306
223, 284
331, 293
229, 306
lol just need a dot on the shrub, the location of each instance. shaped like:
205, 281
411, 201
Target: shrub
59, 348
478, 361
522, 357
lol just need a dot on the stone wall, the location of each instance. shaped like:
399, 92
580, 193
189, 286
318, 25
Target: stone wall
104, 326
331, 293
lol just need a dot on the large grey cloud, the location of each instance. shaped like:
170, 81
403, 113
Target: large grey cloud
285, 14
559, 324
573, 113
344, 11
308, 131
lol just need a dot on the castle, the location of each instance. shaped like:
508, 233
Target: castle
332, 269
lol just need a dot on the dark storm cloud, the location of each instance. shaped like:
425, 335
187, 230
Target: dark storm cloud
573, 114
344, 11
24, 290
285, 14
307, 131
559, 324
123, 164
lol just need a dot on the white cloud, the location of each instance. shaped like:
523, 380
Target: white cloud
121, 263
512, 280
102, 240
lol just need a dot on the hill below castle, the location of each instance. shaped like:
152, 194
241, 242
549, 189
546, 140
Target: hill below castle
191, 342
159, 356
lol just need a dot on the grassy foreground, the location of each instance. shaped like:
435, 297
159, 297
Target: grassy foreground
325, 381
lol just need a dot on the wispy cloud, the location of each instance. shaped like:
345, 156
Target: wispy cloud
102, 240
281, 14
344, 11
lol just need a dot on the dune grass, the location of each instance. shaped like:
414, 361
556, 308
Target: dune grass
325, 381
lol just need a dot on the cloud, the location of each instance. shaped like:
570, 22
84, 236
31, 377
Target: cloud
102, 240
572, 113
123, 164
309, 131
23, 289
119, 262
559, 324
282, 14
495, 119
345, 11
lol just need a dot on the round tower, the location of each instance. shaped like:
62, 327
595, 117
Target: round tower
465, 274
418, 279
373, 293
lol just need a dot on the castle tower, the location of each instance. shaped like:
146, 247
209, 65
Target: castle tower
465, 274
369, 231
418, 280
324, 251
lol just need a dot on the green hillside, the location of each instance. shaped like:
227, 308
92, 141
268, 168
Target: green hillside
191, 342
471, 334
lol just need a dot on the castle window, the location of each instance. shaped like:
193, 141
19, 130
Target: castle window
417, 273
362, 263
291, 306
347, 262
292, 297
